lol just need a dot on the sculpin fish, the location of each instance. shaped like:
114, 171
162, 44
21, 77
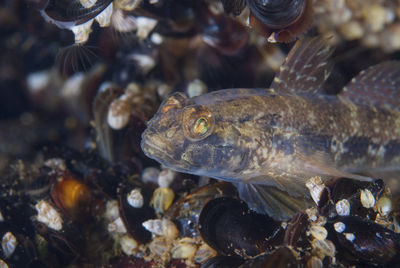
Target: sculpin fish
269, 142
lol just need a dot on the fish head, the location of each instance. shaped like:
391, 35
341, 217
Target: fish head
188, 137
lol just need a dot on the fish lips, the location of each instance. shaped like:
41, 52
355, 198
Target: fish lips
154, 148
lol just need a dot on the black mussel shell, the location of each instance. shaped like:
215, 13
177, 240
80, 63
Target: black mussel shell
277, 14
73, 11
349, 189
360, 240
134, 217
186, 210
68, 245
227, 225
282, 257
223, 262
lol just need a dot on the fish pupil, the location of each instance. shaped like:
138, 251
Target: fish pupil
201, 126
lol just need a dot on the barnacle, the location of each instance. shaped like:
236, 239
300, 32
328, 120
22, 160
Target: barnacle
104, 203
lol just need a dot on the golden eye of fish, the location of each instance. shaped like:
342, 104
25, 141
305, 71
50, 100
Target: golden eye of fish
197, 122
201, 126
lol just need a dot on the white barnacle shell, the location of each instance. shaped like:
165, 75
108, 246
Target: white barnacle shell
48, 215
82, 32
323, 248
184, 249
350, 236
3, 264
104, 18
166, 177
112, 210
117, 226
367, 198
159, 246
339, 226
8, 244
135, 198
119, 113
162, 227
318, 232
203, 253
315, 186
122, 22
128, 245
162, 199
384, 206
150, 174
145, 26
343, 207
87, 3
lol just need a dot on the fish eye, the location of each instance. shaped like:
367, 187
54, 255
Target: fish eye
197, 122
201, 126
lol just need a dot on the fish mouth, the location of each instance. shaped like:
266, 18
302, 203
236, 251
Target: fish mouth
154, 151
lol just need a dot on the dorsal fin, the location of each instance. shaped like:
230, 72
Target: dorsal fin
377, 86
306, 67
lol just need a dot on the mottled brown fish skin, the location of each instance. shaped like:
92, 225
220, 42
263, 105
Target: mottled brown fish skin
264, 137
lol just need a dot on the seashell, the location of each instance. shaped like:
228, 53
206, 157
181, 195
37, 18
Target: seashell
71, 195
318, 232
128, 245
186, 210
8, 244
162, 199
134, 217
67, 243
361, 240
204, 253
247, 237
282, 257
367, 198
223, 262
277, 14
66, 13
384, 206
343, 207
135, 198
345, 197
323, 248
184, 249
286, 19
164, 227
48, 215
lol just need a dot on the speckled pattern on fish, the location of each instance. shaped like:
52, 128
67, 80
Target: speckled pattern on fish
282, 136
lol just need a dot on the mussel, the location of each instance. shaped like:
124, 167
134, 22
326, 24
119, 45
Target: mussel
227, 225
66, 12
360, 240
280, 20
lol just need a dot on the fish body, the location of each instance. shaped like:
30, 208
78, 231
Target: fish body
278, 137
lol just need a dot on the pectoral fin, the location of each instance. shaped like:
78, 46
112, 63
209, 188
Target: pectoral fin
377, 86
272, 201
306, 67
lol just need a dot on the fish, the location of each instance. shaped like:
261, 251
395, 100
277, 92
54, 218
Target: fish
270, 141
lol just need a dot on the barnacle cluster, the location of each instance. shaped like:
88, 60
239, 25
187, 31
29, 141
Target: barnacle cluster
375, 23
76, 189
